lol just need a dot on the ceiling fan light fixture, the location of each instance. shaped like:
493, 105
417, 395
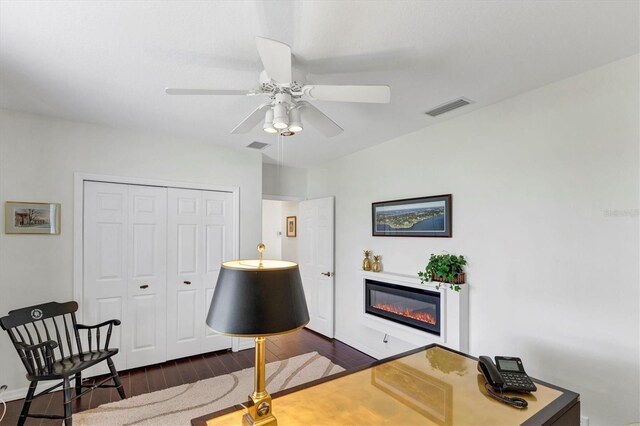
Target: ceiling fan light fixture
295, 124
280, 116
268, 122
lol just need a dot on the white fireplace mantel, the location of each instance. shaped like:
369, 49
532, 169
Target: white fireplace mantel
454, 313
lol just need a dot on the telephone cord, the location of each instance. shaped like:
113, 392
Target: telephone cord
512, 401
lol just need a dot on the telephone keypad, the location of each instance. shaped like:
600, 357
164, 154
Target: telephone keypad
517, 381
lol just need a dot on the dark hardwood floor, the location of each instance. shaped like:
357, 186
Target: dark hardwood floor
188, 370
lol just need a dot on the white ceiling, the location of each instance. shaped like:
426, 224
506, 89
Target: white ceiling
108, 62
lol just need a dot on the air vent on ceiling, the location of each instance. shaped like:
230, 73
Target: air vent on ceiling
449, 106
258, 145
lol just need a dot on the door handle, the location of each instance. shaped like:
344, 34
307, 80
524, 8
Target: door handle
187, 282
144, 286
327, 274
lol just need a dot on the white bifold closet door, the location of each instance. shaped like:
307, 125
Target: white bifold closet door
151, 259
124, 244
200, 238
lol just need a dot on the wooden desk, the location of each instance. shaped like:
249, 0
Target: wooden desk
428, 386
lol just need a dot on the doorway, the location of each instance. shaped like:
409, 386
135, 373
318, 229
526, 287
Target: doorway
279, 245
309, 243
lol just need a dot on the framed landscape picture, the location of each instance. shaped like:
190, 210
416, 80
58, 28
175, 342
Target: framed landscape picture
412, 217
31, 218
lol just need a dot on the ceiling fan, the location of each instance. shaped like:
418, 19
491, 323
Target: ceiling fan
289, 96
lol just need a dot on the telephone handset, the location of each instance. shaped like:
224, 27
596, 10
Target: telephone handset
508, 375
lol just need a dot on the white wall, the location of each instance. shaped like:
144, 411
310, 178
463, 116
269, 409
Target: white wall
545, 206
283, 182
38, 157
272, 229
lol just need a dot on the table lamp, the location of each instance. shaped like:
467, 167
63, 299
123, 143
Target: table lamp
258, 298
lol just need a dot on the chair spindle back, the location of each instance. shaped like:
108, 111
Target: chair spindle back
38, 324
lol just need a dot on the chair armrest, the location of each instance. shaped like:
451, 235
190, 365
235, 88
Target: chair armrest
97, 327
39, 357
49, 345
102, 324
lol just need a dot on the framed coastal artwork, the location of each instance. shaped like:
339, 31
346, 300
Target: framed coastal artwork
31, 218
412, 217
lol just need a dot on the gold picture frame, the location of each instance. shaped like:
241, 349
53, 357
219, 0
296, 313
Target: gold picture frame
31, 218
291, 226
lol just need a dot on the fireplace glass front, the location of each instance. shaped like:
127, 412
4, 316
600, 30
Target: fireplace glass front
413, 307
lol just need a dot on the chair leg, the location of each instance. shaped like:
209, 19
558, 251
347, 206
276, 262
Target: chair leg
27, 403
78, 384
116, 378
66, 389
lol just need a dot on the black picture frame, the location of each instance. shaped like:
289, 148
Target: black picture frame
398, 218
292, 226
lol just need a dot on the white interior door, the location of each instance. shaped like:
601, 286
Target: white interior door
105, 260
316, 257
124, 246
184, 269
147, 277
200, 237
219, 239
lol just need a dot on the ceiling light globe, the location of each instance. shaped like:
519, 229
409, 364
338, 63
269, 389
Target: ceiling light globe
295, 125
268, 120
280, 116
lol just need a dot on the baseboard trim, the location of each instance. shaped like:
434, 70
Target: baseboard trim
12, 395
359, 346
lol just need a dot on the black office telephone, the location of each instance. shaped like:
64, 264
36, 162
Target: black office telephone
507, 376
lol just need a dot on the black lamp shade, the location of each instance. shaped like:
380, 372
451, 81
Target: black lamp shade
252, 301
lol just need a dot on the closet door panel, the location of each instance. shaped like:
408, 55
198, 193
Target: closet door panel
214, 248
105, 217
218, 224
187, 249
147, 275
186, 326
185, 310
143, 309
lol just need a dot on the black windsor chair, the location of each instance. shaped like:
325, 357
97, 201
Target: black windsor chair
47, 338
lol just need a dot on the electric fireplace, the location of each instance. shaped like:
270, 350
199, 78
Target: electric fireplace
413, 307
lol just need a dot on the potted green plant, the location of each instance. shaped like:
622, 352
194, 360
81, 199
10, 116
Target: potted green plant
446, 268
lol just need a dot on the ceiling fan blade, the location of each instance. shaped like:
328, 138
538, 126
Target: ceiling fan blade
252, 119
276, 58
319, 120
370, 94
173, 91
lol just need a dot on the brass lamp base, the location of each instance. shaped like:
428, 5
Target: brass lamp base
259, 406
259, 412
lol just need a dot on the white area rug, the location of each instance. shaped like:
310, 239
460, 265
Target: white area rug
178, 405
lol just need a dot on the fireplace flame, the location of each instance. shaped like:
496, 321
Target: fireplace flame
406, 312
